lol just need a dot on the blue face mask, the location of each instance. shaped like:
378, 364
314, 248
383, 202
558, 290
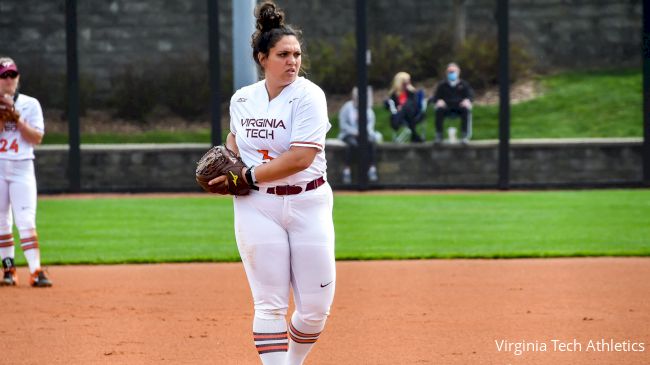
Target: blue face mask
452, 76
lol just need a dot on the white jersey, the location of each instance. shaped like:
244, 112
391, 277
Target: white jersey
12, 144
265, 129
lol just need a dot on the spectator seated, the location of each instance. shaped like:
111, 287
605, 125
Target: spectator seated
453, 99
407, 107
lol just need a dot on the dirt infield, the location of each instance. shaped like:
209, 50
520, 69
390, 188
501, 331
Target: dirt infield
385, 312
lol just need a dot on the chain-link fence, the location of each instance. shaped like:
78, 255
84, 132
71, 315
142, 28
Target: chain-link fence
576, 111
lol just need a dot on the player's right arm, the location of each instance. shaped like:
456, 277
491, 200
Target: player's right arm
30, 134
231, 143
30, 125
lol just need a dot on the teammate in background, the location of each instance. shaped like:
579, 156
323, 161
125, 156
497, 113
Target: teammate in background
284, 227
17, 179
349, 125
453, 96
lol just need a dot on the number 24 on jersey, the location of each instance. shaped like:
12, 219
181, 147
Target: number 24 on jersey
3, 145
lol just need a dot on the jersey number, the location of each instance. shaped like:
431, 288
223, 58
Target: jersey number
3, 145
265, 155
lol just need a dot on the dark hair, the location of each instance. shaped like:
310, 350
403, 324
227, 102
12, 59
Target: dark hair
270, 29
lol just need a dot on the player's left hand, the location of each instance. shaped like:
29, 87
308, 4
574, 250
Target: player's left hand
219, 162
219, 185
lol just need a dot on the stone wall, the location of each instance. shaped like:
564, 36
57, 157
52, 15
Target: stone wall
534, 163
137, 167
116, 33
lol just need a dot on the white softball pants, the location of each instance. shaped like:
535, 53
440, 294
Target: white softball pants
17, 191
288, 241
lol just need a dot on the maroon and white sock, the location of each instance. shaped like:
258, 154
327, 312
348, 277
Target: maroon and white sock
7, 247
271, 340
303, 337
31, 251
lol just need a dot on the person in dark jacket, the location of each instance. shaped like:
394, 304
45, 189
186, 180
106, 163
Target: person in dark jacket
453, 97
405, 105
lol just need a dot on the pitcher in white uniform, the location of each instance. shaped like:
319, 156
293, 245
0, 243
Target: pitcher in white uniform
17, 179
284, 228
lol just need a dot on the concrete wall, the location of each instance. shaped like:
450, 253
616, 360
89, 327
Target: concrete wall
568, 162
117, 33
107, 168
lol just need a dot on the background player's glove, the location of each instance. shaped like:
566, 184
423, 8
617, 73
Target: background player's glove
8, 112
218, 161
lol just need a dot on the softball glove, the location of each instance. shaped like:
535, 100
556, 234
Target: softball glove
220, 161
8, 114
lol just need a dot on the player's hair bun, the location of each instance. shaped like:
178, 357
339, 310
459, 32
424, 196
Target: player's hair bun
269, 17
270, 28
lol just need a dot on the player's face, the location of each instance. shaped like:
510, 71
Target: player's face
282, 64
9, 82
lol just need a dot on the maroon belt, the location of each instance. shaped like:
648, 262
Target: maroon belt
293, 189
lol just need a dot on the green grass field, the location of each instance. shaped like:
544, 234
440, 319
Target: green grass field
372, 226
574, 104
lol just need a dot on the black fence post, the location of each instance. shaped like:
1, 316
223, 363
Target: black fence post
362, 86
215, 72
646, 92
72, 75
504, 96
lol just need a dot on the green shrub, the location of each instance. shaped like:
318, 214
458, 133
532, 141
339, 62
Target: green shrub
390, 54
431, 54
333, 66
42, 82
135, 93
479, 61
49, 85
185, 86
180, 85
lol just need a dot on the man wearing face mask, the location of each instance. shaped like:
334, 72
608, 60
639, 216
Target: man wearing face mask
453, 97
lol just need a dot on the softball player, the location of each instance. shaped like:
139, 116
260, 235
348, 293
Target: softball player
17, 180
284, 228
